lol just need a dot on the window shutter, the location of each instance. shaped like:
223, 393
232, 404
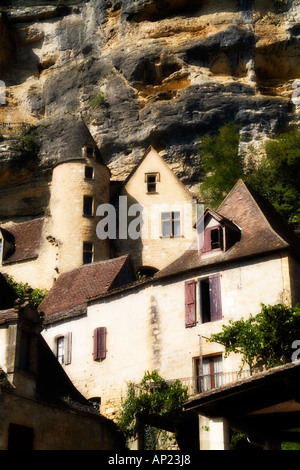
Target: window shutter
68, 348
190, 303
206, 241
99, 351
215, 298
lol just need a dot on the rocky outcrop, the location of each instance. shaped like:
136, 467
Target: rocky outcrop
166, 71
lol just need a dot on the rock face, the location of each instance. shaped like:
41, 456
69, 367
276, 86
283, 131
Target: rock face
144, 72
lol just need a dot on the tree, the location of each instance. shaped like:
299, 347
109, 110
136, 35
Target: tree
276, 177
20, 288
221, 163
156, 397
265, 339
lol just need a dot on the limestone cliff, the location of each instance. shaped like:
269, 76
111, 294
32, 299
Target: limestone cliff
141, 72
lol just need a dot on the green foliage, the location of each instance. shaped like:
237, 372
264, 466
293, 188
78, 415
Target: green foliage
221, 163
98, 100
276, 177
263, 340
20, 288
155, 396
28, 140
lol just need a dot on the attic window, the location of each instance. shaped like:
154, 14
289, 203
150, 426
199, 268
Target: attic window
90, 151
213, 239
152, 179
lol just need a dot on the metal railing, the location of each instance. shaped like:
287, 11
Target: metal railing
203, 383
206, 382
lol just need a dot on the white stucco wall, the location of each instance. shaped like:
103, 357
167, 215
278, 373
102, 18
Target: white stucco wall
146, 329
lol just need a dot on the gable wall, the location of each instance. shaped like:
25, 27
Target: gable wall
151, 249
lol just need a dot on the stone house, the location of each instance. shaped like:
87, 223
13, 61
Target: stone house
40, 407
68, 233
244, 255
37, 250
167, 212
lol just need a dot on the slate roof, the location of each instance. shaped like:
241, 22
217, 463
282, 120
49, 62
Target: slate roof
24, 239
63, 138
75, 287
262, 231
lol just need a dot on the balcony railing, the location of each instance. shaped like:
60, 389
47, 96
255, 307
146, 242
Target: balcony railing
204, 383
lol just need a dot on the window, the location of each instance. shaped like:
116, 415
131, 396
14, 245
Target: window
90, 151
209, 373
88, 205
213, 239
88, 252
170, 224
63, 348
209, 293
190, 303
88, 172
99, 344
27, 352
20, 437
210, 299
151, 179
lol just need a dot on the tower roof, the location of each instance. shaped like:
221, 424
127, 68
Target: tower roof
63, 138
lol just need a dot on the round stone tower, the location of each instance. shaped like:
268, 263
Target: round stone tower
80, 183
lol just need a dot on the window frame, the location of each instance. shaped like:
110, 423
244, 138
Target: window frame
58, 346
86, 252
205, 382
213, 300
90, 205
88, 168
66, 356
207, 239
171, 222
152, 184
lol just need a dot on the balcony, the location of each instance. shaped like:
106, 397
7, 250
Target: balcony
205, 383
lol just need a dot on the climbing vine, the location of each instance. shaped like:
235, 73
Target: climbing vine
155, 396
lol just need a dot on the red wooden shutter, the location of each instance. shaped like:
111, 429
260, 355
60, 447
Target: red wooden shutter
206, 241
68, 348
99, 351
215, 298
190, 303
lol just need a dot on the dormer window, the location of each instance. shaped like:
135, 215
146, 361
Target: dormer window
151, 180
213, 239
90, 151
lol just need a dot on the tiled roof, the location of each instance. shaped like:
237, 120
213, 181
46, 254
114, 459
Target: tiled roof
25, 238
77, 286
262, 231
